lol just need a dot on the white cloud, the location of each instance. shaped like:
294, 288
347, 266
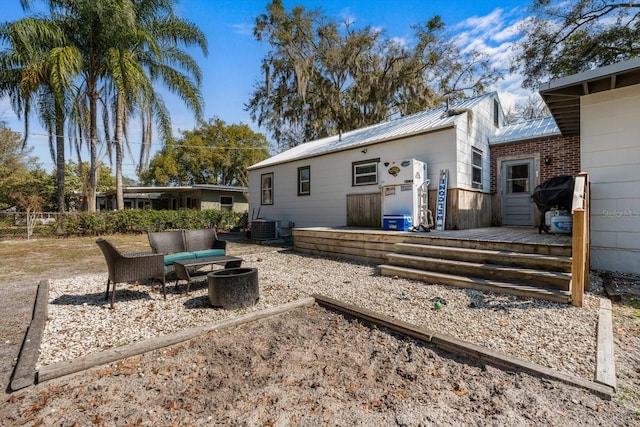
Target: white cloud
346, 17
483, 24
494, 35
509, 32
243, 29
400, 41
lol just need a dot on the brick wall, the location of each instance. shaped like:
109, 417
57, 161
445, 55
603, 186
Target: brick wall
564, 154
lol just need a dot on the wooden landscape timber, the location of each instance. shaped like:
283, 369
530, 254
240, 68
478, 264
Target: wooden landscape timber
466, 349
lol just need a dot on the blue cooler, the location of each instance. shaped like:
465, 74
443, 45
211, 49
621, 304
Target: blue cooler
397, 222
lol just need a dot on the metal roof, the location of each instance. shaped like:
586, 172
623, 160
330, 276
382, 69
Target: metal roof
167, 189
217, 187
415, 124
534, 128
562, 95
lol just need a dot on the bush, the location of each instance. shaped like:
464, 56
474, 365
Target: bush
143, 220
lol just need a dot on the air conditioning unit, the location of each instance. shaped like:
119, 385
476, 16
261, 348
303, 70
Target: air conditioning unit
265, 229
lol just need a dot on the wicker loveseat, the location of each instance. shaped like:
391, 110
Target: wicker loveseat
182, 245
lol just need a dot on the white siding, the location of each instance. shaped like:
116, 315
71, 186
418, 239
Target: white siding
610, 153
331, 178
475, 133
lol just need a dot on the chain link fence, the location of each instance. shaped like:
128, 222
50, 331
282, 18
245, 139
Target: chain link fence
28, 225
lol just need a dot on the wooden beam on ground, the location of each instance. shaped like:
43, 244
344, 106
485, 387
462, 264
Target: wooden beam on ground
605, 357
68, 367
379, 319
24, 374
610, 288
464, 348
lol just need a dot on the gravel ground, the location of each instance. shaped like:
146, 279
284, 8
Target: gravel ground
314, 367
554, 335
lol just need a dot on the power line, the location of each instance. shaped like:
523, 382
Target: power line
141, 143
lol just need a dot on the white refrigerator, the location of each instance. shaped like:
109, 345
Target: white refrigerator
401, 183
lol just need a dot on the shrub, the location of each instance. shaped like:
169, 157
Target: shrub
143, 220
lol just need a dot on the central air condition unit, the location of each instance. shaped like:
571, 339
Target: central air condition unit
265, 229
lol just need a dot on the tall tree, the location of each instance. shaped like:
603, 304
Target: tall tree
126, 46
323, 77
213, 153
153, 52
563, 38
38, 68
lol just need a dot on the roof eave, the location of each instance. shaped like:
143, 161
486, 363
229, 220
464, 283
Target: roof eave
562, 95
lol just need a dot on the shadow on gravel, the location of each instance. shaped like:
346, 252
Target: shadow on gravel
98, 298
496, 302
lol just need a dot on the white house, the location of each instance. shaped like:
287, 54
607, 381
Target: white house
603, 107
335, 181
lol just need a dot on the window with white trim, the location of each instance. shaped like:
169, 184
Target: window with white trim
365, 172
266, 189
476, 168
304, 181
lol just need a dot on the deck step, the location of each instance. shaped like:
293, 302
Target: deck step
499, 245
487, 256
555, 279
519, 289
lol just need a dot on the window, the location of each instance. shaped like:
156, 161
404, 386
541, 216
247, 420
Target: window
476, 168
518, 179
304, 181
496, 113
365, 172
226, 203
266, 188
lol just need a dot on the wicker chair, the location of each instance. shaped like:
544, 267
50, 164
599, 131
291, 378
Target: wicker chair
126, 267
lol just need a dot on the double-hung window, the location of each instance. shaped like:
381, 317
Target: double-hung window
304, 181
365, 172
476, 168
266, 189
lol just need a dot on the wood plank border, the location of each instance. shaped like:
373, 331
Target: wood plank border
454, 345
24, 374
56, 370
605, 357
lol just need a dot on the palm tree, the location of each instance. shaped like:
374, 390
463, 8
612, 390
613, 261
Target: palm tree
38, 68
149, 53
123, 47
128, 45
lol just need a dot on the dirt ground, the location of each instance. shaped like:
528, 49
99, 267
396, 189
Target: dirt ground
308, 367
312, 367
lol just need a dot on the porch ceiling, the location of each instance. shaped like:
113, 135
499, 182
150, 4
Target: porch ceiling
562, 96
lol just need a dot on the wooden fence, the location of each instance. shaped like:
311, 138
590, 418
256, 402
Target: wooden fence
364, 210
581, 239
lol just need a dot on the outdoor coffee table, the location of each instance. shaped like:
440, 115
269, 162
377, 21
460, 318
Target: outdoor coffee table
185, 269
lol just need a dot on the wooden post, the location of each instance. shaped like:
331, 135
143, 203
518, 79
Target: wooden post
578, 254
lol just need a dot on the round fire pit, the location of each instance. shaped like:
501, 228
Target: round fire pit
233, 288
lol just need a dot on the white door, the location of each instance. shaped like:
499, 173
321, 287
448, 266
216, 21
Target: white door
517, 188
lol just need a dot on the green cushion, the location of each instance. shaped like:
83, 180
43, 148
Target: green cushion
209, 252
179, 256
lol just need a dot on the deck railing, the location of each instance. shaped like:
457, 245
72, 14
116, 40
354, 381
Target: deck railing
581, 239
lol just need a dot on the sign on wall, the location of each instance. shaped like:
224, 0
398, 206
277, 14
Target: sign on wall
441, 205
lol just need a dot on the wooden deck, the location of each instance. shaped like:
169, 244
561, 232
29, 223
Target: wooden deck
503, 234
515, 260
372, 245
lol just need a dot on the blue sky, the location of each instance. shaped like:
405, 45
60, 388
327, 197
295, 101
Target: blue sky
233, 65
